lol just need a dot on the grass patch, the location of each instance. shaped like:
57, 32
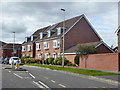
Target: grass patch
76, 70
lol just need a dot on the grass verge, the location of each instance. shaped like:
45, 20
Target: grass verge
76, 70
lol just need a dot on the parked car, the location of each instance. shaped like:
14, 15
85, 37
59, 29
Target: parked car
6, 61
15, 59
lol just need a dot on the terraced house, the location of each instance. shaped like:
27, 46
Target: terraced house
47, 42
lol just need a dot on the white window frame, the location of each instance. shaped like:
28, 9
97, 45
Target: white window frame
56, 43
41, 35
58, 55
38, 46
46, 55
49, 33
23, 49
32, 38
46, 45
58, 30
39, 56
29, 47
54, 55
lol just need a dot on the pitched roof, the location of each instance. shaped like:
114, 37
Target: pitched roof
68, 24
2, 43
10, 46
74, 48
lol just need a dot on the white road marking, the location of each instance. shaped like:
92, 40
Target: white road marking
40, 86
26, 71
17, 75
43, 84
9, 71
32, 75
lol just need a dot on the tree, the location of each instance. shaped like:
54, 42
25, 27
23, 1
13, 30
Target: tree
84, 50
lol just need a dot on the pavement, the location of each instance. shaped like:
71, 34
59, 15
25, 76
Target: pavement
37, 77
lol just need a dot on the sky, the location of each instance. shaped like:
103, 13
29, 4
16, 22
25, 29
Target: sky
25, 18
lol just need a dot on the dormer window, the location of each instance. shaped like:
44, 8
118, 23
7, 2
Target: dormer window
41, 35
59, 31
32, 38
49, 33
26, 39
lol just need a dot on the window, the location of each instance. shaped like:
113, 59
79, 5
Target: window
38, 46
31, 38
23, 55
54, 55
39, 56
46, 56
23, 48
41, 35
56, 43
49, 33
29, 48
15, 51
46, 45
59, 31
58, 54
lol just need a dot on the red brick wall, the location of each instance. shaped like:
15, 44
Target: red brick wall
29, 52
70, 58
109, 62
8, 53
80, 33
50, 50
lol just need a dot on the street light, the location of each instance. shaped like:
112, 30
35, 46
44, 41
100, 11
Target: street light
63, 36
13, 43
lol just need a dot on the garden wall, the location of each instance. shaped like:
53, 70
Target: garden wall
107, 62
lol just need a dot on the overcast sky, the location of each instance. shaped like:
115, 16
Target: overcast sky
26, 17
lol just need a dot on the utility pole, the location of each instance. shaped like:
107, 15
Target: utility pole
63, 35
13, 43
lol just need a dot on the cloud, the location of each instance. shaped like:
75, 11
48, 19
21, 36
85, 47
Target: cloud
26, 17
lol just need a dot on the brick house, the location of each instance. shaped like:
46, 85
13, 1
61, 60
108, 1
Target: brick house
29, 46
6, 50
47, 42
118, 33
78, 30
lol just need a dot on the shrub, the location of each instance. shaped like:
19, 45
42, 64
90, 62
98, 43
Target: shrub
66, 62
50, 60
69, 64
46, 61
74, 65
22, 58
55, 61
32, 60
39, 61
27, 60
76, 59
59, 62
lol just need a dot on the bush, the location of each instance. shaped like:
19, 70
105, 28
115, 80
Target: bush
69, 64
66, 62
74, 65
59, 62
30, 60
39, 61
53, 62
76, 59
46, 61
22, 58
50, 60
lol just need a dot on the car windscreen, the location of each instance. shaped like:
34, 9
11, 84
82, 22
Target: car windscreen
15, 58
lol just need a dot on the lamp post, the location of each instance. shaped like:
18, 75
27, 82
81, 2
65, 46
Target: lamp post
63, 35
13, 43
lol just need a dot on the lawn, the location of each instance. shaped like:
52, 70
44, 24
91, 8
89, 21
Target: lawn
76, 70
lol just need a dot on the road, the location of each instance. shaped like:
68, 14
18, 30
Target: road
45, 78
